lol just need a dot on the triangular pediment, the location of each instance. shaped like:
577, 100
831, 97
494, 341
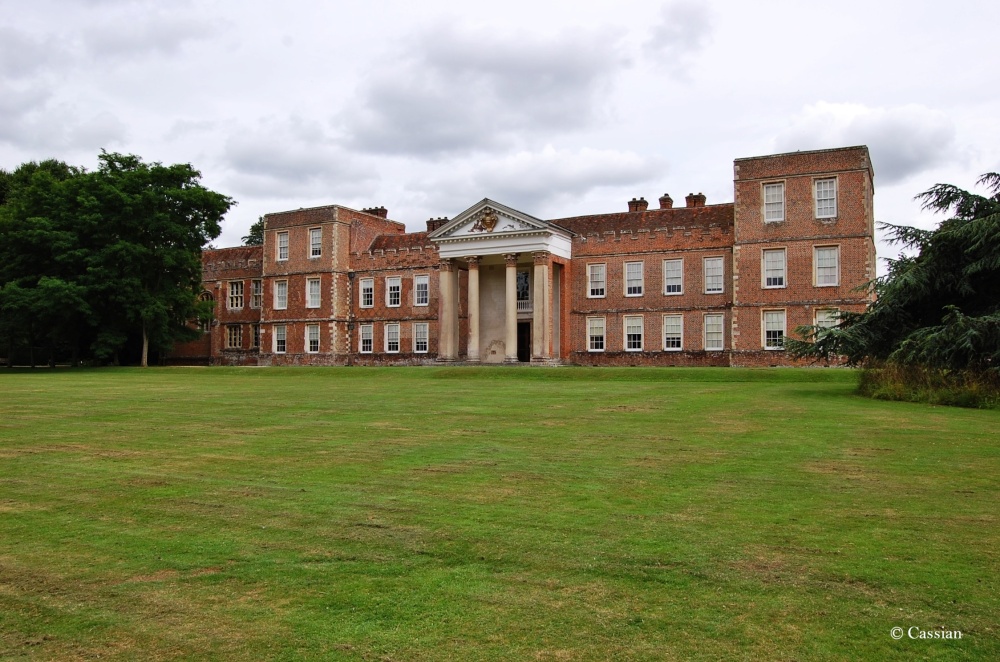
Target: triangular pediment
488, 218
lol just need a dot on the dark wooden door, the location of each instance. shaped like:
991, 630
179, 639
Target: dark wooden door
524, 341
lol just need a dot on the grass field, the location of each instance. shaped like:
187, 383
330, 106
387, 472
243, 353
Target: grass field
494, 514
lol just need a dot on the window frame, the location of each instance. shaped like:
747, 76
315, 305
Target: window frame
722, 274
319, 292
816, 250
416, 337
816, 314
255, 336
370, 328
234, 336
418, 280
280, 335
763, 268
308, 341
764, 202
834, 197
625, 333
680, 336
315, 247
279, 286
256, 293
680, 261
387, 329
764, 330
281, 246
722, 332
642, 278
591, 336
604, 280
389, 281
362, 283
232, 296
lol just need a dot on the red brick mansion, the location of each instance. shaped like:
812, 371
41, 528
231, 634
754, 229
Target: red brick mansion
700, 284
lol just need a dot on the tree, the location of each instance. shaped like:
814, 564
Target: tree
103, 256
146, 270
255, 237
938, 308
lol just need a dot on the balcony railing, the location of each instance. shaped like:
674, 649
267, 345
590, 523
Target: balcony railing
524, 306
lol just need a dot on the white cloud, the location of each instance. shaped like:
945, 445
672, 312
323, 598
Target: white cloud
685, 28
455, 91
903, 140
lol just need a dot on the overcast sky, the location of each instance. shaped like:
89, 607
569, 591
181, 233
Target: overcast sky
554, 108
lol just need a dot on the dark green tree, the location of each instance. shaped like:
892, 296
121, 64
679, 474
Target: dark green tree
145, 272
939, 306
255, 236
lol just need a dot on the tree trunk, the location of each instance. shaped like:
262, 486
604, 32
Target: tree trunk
145, 346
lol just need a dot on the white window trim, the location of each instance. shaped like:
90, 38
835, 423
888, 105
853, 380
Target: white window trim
276, 306
763, 201
388, 280
428, 338
704, 274
426, 279
314, 256
836, 197
361, 338
230, 328
642, 333
256, 303
318, 338
704, 332
817, 311
604, 334
319, 298
816, 249
673, 294
385, 334
277, 247
763, 328
590, 295
763, 268
274, 338
361, 292
229, 298
664, 334
642, 278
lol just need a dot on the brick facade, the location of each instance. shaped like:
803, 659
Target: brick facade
710, 285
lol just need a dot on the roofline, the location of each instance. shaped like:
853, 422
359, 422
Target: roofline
805, 151
647, 211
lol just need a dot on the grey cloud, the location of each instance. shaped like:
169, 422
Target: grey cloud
291, 157
685, 28
155, 34
537, 182
904, 140
459, 91
22, 55
29, 121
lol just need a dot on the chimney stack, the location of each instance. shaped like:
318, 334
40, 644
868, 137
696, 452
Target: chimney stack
381, 212
666, 202
434, 223
693, 200
638, 205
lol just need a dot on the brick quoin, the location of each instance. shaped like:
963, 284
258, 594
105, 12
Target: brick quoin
356, 246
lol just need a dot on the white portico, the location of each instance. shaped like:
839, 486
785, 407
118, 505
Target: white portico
516, 273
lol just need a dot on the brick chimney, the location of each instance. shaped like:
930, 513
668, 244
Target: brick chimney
638, 205
381, 212
692, 200
434, 223
666, 202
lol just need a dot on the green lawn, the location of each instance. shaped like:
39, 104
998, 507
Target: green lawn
496, 514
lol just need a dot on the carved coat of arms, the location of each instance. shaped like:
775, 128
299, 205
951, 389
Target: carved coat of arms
486, 222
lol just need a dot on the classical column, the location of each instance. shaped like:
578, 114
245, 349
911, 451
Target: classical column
448, 317
473, 354
540, 337
510, 308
